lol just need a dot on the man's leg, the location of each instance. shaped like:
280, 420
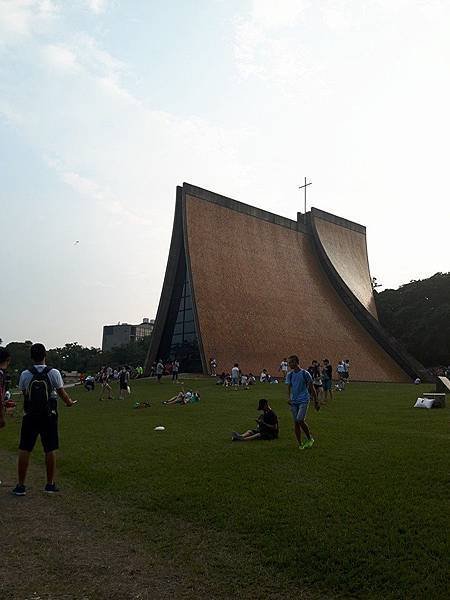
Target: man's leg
247, 436
22, 465
247, 433
305, 428
250, 438
298, 432
50, 463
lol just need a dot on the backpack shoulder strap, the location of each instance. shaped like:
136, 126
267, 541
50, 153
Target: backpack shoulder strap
33, 371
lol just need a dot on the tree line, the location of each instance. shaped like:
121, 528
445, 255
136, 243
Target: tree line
74, 357
418, 315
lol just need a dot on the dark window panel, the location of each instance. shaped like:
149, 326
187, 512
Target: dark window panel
189, 336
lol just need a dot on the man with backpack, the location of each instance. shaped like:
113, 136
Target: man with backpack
300, 390
40, 386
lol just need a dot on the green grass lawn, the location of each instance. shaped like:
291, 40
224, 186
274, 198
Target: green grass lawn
363, 514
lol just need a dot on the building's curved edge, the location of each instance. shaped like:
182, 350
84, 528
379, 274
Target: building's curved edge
243, 208
349, 255
389, 344
326, 216
176, 246
205, 365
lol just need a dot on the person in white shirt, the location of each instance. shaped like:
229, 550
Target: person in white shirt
244, 382
175, 369
213, 366
235, 372
284, 367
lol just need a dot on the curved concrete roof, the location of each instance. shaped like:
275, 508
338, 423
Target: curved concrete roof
347, 250
261, 294
264, 286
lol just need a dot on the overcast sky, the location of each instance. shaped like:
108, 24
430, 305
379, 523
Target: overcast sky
107, 105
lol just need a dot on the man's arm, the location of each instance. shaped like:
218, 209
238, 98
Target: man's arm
289, 393
65, 397
270, 425
312, 391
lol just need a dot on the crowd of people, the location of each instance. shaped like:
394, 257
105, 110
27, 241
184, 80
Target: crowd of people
42, 385
322, 375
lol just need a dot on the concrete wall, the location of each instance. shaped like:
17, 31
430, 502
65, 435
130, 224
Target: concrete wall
261, 294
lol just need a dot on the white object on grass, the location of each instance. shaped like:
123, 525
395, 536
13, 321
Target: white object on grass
424, 403
159, 428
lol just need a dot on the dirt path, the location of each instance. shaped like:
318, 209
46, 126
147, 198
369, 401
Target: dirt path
50, 552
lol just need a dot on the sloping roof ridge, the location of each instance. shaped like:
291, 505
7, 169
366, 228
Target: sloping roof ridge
321, 214
243, 208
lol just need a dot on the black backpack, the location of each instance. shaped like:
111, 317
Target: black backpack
39, 400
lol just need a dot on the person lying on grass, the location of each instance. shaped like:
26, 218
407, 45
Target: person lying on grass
266, 429
183, 397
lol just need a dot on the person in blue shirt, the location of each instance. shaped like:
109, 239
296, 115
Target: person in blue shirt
300, 390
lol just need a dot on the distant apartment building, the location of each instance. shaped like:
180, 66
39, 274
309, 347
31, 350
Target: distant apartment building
124, 333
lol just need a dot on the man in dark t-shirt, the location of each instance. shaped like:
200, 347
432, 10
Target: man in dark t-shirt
124, 383
327, 379
267, 428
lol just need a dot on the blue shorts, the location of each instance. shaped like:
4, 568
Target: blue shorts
234, 380
299, 411
326, 384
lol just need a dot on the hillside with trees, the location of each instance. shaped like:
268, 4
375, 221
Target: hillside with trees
418, 315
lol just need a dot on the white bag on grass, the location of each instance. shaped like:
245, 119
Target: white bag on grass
424, 403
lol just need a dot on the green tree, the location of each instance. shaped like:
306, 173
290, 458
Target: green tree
418, 315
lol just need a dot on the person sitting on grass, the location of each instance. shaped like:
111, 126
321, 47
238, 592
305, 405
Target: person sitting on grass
266, 429
89, 383
221, 378
244, 382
